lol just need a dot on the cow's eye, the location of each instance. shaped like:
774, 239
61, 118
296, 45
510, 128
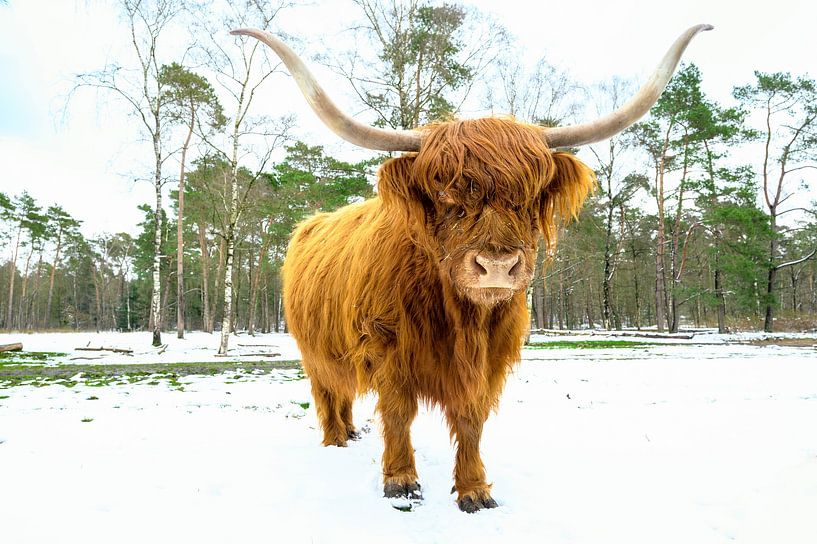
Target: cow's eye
445, 198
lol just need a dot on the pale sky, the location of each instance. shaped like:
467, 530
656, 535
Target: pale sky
85, 158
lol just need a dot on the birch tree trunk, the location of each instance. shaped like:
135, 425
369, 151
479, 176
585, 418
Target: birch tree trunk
227, 307
156, 302
227, 317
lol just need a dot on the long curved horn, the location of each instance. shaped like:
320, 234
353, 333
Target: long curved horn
340, 123
615, 122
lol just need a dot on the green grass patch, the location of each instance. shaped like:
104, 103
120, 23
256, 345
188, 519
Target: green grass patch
150, 374
8, 358
589, 344
87, 419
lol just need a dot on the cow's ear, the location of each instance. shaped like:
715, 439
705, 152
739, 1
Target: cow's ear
563, 197
398, 187
395, 181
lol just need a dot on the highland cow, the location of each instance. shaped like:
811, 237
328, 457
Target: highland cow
419, 294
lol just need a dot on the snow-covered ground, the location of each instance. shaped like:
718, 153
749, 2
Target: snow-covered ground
195, 347
689, 443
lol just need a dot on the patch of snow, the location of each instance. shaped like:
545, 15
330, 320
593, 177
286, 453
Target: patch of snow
195, 347
669, 443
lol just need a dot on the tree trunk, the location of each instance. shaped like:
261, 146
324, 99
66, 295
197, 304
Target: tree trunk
156, 300
76, 304
768, 322
207, 323
222, 254
227, 309
265, 305
24, 289
180, 233
127, 304
238, 275
97, 299
276, 297
53, 276
255, 283
660, 314
539, 303
719, 294
12, 277
591, 319
32, 316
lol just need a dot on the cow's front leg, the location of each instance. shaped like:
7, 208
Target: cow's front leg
399, 473
473, 492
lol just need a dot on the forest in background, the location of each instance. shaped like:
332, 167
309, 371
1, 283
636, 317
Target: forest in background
703, 214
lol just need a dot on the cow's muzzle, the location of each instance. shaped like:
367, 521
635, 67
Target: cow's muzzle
495, 271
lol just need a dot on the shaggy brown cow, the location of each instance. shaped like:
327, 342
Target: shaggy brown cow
419, 293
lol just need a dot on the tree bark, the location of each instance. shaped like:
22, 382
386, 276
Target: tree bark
768, 320
227, 307
12, 277
156, 300
719, 294
207, 323
53, 276
255, 282
24, 290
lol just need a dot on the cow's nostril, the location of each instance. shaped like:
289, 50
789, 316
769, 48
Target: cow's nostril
481, 270
515, 268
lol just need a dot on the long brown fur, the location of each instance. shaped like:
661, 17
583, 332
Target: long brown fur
375, 296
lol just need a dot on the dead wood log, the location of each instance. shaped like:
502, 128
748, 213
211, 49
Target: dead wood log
11, 347
114, 350
638, 334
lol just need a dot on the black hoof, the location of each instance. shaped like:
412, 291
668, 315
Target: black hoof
402, 491
470, 505
354, 434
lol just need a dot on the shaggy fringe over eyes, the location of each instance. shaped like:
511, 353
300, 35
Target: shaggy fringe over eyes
491, 159
480, 160
564, 196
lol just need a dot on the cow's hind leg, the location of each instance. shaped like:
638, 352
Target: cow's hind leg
473, 492
334, 409
397, 411
346, 417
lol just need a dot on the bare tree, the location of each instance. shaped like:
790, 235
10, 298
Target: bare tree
240, 67
789, 109
540, 94
140, 88
616, 191
192, 102
420, 61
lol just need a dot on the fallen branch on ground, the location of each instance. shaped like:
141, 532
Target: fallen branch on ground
11, 347
642, 334
114, 350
